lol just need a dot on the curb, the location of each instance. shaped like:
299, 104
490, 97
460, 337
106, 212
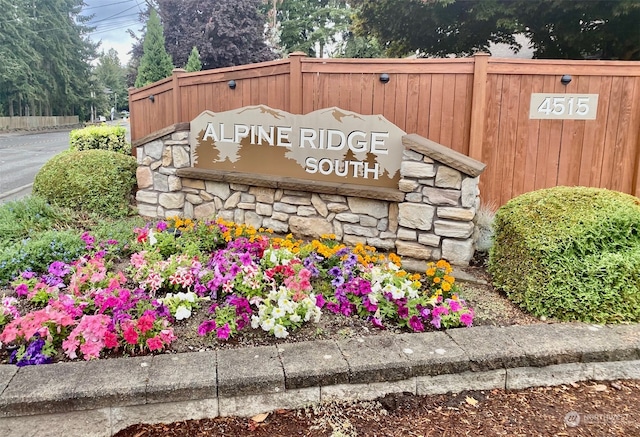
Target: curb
102, 397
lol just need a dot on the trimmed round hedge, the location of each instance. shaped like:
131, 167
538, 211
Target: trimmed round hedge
92, 180
571, 253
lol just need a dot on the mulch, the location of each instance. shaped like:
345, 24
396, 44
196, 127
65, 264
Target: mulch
601, 409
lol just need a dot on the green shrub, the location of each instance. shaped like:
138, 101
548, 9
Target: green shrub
572, 253
112, 138
24, 217
37, 252
93, 180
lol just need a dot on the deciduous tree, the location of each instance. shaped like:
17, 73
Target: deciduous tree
605, 29
226, 32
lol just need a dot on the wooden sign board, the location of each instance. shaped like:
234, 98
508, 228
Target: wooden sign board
330, 145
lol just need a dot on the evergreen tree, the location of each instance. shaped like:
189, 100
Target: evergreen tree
111, 78
193, 63
45, 58
156, 63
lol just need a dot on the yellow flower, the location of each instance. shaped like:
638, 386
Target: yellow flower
446, 286
431, 271
442, 264
436, 280
450, 279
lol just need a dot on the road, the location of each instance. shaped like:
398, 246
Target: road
22, 155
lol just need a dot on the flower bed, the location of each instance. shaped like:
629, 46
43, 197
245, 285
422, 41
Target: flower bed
242, 278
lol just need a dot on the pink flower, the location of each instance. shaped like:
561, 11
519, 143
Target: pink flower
22, 290
110, 340
145, 323
130, 335
467, 319
154, 344
454, 305
320, 301
167, 336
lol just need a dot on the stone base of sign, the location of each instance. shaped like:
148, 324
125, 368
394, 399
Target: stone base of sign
430, 216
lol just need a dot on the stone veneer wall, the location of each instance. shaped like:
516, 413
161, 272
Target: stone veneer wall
430, 216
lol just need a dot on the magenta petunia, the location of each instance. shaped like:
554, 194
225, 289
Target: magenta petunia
416, 324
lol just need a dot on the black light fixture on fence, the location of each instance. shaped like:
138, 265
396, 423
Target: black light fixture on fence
565, 79
384, 78
232, 84
152, 98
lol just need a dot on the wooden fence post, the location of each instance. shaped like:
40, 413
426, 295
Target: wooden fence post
478, 102
295, 82
177, 98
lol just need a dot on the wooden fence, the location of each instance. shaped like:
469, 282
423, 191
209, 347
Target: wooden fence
20, 123
478, 106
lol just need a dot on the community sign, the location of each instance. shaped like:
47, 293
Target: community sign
328, 145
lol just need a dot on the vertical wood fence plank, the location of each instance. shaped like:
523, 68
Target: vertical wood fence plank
478, 108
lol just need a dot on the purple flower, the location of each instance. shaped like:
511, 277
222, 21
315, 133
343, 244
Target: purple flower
424, 311
372, 307
212, 308
22, 290
436, 322
377, 322
59, 268
320, 301
347, 309
337, 281
416, 324
161, 226
403, 311
28, 274
246, 259
88, 240
333, 307
224, 332
206, 327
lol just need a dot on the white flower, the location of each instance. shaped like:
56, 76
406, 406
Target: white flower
295, 318
278, 313
255, 321
190, 297
183, 312
287, 305
280, 331
181, 296
152, 238
267, 324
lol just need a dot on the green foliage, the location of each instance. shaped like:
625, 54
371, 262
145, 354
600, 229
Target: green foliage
45, 57
310, 25
92, 180
563, 29
156, 63
29, 216
112, 76
38, 251
572, 253
193, 63
112, 138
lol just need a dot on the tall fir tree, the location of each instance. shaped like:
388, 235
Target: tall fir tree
193, 63
156, 63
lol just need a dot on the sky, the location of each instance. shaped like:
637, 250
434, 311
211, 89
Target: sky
111, 19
